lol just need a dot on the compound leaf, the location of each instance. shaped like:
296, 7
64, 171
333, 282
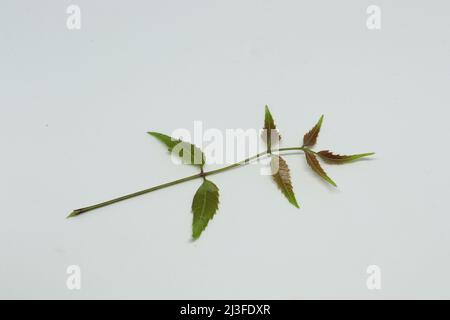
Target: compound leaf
310, 138
188, 152
282, 177
204, 206
312, 161
330, 157
270, 129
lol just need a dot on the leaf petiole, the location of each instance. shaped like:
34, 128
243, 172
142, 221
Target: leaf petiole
202, 174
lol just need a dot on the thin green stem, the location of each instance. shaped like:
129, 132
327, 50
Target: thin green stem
132, 195
309, 150
202, 174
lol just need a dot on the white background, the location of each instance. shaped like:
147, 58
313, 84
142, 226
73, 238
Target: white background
75, 106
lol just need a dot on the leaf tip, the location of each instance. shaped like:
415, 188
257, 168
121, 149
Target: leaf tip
319, 123
267, 113
310, 138
195, 237
329, 180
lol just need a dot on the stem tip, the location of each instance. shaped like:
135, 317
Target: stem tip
74, 213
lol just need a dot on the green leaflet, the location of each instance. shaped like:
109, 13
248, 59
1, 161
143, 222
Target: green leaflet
204, 206
268, 119
188, 152
330, 157
206, 199
310, 138
270, 129
311, 159
282, 177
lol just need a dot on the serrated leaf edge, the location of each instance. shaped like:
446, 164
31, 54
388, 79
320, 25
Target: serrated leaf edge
283, 180
312, 161
333, 158
215, 194
310, 138
165, 139
269, 126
